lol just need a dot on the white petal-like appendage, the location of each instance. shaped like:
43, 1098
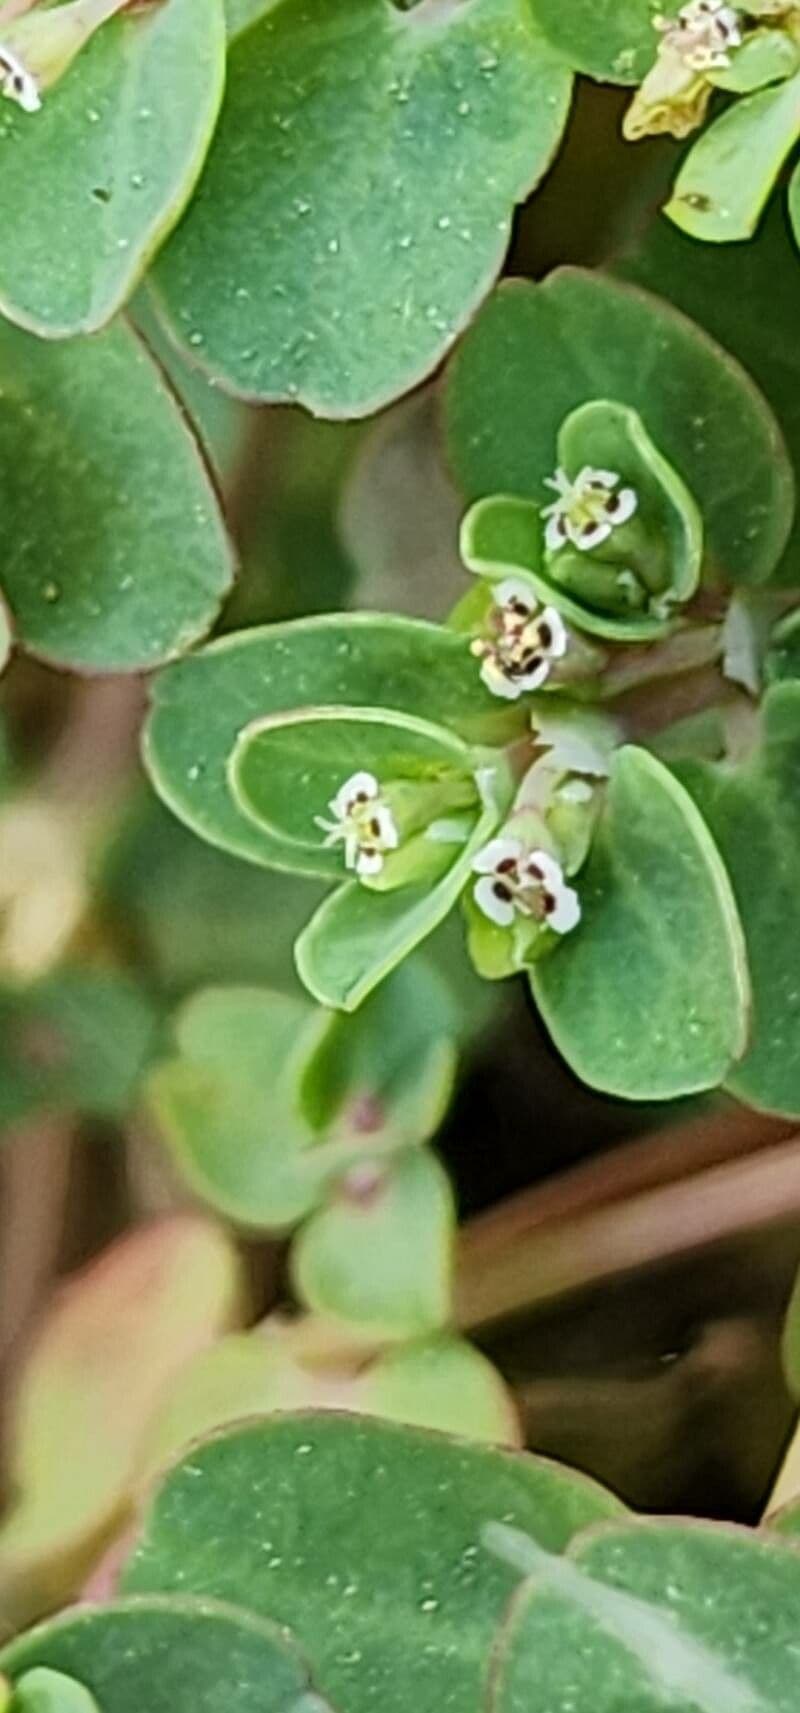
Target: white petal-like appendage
369, 862
567, 911
497, 851
353, 787
585, 539
499, 910
497, 682
556, 531
559, 635
514, 589
627, 504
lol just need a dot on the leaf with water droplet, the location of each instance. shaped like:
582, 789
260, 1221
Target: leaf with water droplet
694, 1617
362, 319
115, 555
89, 189
349, 1503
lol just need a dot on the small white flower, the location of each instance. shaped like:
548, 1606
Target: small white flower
586, 510
525, 641
702, 34
515, 881
362, 822
17, 83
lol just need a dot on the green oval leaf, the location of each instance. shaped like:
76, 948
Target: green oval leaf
227, 1106
285, 771
115, 553
169, 1656
753, 812
357, 936
537, 352
647, 999
202, 704
698, 1618
94, 182
353, 1262
388, 1071
392, 1612
611, 436
755, 323
725, 180
292, 265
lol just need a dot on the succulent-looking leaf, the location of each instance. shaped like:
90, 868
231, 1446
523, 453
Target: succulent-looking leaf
227, 1107
202, 704
286, 770
609, 436
727, 176
379, 1255
169, 1656
765, 56
387, 1072
90, 190
612, 40
755, 323
536, 352
291, 264
114, 1337
502, 535
324, 1524
115, 557
753, 813
648, 998
696, 1617
358, 936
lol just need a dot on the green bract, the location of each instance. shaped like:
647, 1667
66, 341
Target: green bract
537, 352
644, 567
297, 276
357, 936
352, 660
285, 771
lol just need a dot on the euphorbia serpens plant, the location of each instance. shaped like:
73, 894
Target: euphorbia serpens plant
586, 756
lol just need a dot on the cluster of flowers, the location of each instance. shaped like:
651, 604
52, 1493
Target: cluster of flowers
525, 642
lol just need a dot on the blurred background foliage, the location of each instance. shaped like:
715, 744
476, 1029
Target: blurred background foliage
626, 1270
